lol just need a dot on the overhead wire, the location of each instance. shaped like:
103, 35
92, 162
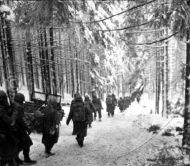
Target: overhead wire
130, 9
125, 28
153, 42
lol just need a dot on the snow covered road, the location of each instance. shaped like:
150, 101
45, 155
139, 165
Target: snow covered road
108, 143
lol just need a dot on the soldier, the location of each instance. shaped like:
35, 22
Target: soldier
98, 106
50, 129
121, 104
79, 113
90, 106
109, 105
22, 130
114, 103
8, 140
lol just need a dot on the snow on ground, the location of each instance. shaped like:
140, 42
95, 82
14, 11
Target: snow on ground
114, 141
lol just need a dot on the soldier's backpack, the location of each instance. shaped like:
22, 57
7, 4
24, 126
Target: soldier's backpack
109, 100
78, 112
97, 103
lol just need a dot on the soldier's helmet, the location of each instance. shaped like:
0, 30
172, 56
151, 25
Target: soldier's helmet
19, 97
86, 97
52, 101
78, 97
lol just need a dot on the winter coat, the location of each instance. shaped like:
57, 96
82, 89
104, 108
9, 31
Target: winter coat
114, 100
51, 122
97, 103
8, 140
127, 102
91, 107
23, 130
121, 104
80, 127
110, 106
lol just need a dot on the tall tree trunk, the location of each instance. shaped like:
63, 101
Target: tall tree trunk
77, 70
72, 78
163, 82
3, 51
66, 75
36, 64
29, 64
72, 69
54, 79
61, 68
166, 81
47, 65
186, 134
157, 102
42, 59
13, 81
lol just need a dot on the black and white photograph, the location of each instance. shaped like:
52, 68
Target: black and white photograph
95, 82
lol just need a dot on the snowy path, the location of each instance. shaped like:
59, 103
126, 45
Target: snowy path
107, 143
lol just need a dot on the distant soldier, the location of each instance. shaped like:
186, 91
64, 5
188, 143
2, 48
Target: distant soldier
121, 104
90, 106
127, 102
79, 114
114, 104
114, 100
109, 105
98, 106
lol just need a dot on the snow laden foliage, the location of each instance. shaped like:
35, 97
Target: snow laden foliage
7, 12
173, 14
119, 60
106, 49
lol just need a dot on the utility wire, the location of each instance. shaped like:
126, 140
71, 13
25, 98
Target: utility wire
130, 9
156, 41
125, 28
144, 31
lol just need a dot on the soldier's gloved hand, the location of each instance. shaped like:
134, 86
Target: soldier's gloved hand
67, 122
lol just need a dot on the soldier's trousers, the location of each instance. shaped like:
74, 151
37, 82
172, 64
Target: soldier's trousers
99, 113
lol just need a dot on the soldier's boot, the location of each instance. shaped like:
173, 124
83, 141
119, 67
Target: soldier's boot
27, 157
81, 144
48, 151
18, 161
29, 161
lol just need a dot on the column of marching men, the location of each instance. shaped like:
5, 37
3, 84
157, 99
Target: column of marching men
15, 133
